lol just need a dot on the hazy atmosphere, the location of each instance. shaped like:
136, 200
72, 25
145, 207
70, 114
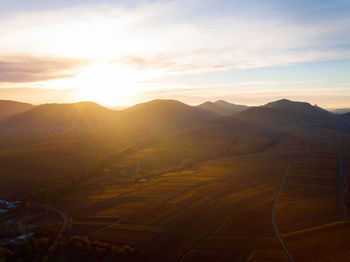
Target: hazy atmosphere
175, 131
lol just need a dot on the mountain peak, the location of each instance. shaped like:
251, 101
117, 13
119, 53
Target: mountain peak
222, 107
221, 102
296, 107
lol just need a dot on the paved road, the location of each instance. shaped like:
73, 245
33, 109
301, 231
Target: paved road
342, 180
278, 235
66, 222
65, 216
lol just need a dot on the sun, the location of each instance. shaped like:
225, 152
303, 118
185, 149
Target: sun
105, 83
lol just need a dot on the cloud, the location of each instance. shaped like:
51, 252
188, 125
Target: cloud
174, 37
21, 69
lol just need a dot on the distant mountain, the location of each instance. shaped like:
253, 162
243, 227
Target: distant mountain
298, 107
53, 116
230, 106
340, 110
345, 116
285, 114
257, 128
222, 107
9, 108
161, 115
165, 114
152, 116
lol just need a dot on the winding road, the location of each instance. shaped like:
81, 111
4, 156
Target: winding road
66, 223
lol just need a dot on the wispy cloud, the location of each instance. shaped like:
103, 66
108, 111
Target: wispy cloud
176, 48
21, 69
164, 36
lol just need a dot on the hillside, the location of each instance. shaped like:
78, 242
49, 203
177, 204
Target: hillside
258, 127
285, 114
65, 116
345, 116
298, 108
165, 114
340, 110
221, 107
194, 169
9, 108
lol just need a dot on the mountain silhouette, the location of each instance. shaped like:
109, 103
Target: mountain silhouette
76, 115
166, 113
222, 107
9, 108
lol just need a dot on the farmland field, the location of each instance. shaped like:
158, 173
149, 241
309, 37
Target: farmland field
186, 195
223, 208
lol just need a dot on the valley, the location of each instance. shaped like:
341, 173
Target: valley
164, 181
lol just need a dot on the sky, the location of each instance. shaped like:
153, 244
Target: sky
119, 53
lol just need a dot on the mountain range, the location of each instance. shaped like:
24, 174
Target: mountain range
166, 115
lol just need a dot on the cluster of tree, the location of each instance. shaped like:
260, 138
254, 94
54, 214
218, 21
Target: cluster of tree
84, 249
111, 166
5, 254
32, 249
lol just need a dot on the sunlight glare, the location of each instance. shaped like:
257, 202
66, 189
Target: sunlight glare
106, 84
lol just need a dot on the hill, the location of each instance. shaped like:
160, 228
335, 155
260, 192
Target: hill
345, 116
222, 107
9, 108
150, 117
298, 107
258, 127
340, 110
285, 114
62, 116
165, 114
